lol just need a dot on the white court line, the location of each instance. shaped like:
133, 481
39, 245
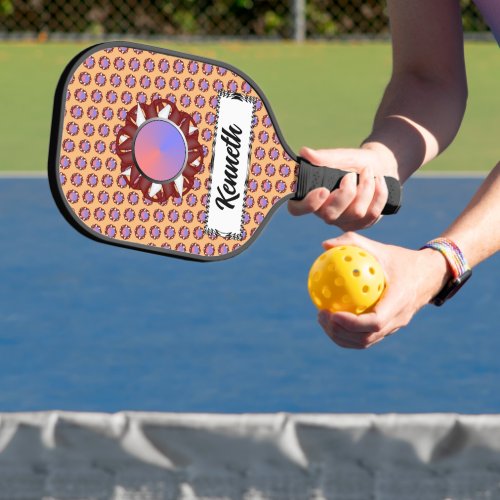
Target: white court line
454, 174
11, 174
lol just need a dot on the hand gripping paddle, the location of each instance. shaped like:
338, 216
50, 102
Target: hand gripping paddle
170, 153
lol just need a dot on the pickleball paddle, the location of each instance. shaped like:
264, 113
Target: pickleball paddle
171, 153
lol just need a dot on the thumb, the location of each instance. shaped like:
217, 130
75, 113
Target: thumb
375, 248
338, 158
349, 238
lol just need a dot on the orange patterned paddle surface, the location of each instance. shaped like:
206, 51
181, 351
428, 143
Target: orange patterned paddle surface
166, 152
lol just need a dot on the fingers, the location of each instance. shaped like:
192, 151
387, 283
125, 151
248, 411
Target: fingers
352, 238
365, 330
337, 201
351, 206
407, 290
364, 195
366, 207
339, 337
356, 204
338, 158
380, 196
310, 204
346, 331
368, 323
315, 199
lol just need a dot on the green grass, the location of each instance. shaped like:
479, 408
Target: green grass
323, 94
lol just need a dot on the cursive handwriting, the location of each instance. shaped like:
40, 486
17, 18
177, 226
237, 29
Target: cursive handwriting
228, 194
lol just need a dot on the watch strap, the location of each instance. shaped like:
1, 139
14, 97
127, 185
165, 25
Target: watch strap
457, 263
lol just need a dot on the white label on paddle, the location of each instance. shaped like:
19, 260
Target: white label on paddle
230, 162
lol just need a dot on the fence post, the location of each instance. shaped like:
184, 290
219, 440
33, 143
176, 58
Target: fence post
299, 20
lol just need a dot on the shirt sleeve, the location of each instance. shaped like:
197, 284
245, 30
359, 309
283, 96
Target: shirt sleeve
490, 9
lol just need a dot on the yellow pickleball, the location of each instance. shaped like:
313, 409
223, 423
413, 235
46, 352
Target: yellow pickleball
346, 278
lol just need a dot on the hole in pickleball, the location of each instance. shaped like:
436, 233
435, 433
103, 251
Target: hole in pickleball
356, 273
379, 288
339, 281
327, 293
348, 258
160, 150
366, 289
317, 301
372, 270
363, 254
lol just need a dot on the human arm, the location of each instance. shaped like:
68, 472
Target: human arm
414, 277
419, 115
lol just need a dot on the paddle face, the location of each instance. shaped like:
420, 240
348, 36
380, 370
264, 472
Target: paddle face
164, 152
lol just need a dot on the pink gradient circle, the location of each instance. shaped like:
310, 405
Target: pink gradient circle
160, 150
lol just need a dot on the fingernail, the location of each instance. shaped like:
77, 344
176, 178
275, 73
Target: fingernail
347, 178
323, 316
323, 194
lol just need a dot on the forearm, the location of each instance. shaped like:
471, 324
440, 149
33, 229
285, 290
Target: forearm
424, 103
416, 120
477, 230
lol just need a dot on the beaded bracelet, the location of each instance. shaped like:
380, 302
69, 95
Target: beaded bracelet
460, 269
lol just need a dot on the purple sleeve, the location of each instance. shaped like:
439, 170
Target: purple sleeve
490, 9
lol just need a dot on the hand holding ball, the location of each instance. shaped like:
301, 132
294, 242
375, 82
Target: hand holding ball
346, 278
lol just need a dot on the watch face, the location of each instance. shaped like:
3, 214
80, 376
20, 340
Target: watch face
451, 288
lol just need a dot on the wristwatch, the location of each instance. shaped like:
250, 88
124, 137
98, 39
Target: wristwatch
460, 270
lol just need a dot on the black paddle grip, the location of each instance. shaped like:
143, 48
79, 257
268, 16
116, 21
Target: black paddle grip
311, 177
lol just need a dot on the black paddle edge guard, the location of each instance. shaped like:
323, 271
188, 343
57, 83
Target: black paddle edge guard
311, 177
55, 146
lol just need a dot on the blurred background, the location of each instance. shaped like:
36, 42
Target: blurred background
283, 19
343, 59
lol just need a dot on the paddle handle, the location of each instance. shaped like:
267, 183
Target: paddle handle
311, 177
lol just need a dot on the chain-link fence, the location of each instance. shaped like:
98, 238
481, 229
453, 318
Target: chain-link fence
203, 18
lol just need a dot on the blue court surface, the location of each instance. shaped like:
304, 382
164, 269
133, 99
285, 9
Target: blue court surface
91, 327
